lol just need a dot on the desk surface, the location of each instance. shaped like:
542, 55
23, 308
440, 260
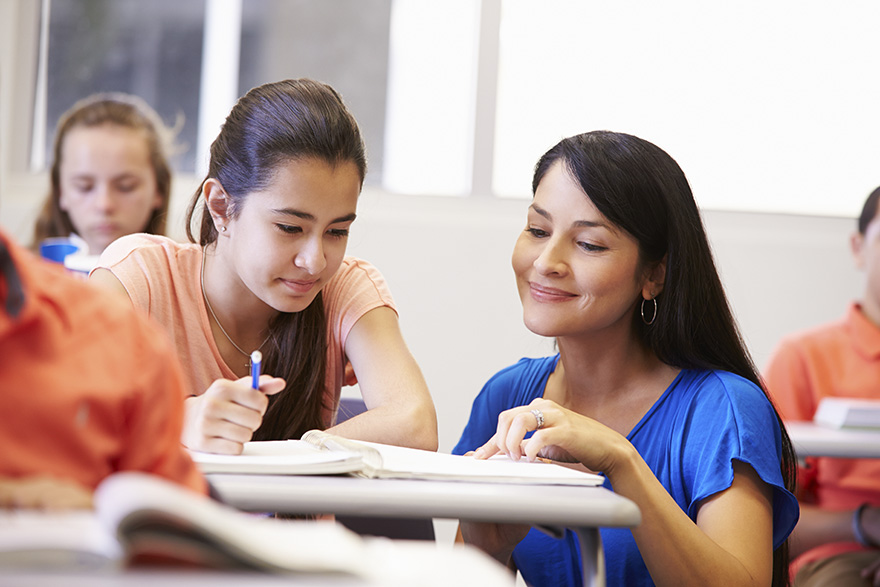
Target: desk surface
166, 578
27, 560
414, 564
811, 440
549, 505
583, 509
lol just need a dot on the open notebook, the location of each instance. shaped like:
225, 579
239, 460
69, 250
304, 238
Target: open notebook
322, 453
144, 520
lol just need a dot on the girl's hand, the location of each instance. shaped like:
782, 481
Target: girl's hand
223, 418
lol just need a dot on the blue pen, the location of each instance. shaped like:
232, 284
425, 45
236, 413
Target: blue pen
256, 365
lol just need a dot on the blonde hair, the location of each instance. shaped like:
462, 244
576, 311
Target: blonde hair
118, 109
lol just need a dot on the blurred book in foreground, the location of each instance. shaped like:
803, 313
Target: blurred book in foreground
141, 521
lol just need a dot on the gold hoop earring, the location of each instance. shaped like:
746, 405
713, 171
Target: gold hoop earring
653, 314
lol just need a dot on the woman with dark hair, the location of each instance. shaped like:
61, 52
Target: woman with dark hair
109, 175
652, 385
268, 272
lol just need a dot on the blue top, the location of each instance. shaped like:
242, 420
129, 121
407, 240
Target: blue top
689, 438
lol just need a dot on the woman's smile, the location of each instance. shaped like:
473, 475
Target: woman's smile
542, 293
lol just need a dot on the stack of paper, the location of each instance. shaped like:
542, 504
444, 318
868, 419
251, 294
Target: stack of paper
842, 412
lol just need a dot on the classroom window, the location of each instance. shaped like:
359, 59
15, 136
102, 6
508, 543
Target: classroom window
340, 42
405, 68
406, 78
767, 107
151, 49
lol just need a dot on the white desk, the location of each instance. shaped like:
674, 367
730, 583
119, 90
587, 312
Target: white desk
583, 509
173, 578
74, 549
440, 569
811, 440
170, 578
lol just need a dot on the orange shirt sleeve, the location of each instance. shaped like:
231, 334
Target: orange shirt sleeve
788, 384
787, 381
156, 417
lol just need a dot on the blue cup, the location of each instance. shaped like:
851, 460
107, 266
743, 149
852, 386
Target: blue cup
56, 249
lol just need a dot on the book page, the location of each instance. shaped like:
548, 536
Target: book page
154, 518
413, 463
371, 458
163, 522
281, 457
49, 540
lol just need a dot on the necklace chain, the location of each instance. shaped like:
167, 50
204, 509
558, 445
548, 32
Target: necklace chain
217, 320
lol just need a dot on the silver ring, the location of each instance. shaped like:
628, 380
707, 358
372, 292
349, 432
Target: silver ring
539, 416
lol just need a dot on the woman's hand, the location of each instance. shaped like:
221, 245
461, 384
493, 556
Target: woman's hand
223, 418
731, 541
43, 492
565, 436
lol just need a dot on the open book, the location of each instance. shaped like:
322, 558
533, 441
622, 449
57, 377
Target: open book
144, 520
281, 457
141, 518
842, 412
319, 452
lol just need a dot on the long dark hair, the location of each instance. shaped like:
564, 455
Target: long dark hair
641, 189
270, 125
116, 109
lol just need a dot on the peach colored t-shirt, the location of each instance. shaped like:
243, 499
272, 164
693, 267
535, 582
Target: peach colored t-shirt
840, 359
162, 277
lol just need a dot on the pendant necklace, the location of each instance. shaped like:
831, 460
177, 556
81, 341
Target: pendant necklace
220, 326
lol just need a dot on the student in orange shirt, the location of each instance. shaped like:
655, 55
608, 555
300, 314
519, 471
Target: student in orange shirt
837, 540
88, 387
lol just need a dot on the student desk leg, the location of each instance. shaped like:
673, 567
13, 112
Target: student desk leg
592, 556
